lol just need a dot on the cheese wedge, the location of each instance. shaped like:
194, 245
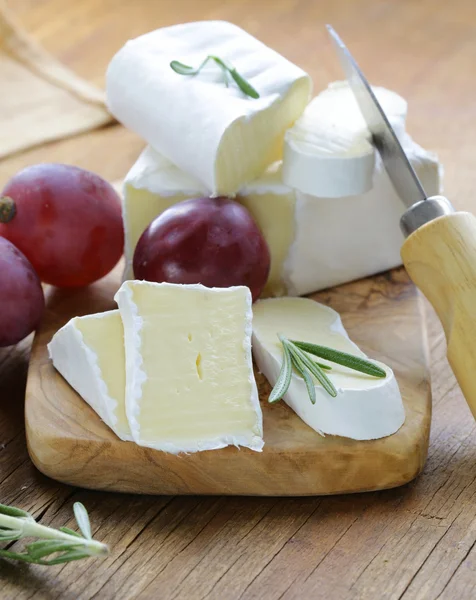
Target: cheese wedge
365, 408
328, 152
189, 376
216, 133
89, 353
314, 242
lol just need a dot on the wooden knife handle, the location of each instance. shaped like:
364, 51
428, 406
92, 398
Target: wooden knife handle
440, 258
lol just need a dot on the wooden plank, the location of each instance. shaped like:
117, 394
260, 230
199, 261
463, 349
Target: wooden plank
425, 50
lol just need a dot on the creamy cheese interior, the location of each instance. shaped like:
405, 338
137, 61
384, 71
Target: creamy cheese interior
250, 145
190, 384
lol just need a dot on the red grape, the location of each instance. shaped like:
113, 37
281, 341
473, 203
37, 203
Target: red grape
65, 220
213, 241
21, 297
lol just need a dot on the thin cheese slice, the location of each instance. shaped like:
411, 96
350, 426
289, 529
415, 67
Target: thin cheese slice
189, 375
328, 152
365, 408
212, 131
89, 353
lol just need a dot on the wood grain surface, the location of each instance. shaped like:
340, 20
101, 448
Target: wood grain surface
68, 441
417, 542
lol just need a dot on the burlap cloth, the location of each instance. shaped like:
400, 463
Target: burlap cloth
40, 99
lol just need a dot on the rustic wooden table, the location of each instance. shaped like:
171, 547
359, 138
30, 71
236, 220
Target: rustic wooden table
416, 542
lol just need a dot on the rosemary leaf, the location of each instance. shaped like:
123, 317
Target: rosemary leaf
44, 548
220, 62
342, 358
11, 511
9, 535
316, 370
226, 77
70, 532
82, 519
323, 366
244, 85
282, 383
19, 556
182, 69
73, 554
301, 369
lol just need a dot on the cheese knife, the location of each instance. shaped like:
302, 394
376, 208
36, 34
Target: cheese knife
439, 252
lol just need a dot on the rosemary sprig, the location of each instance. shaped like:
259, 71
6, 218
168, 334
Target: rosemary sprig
301, 368
282, 383
53, 546
295, 355
342, 358
244, 85
315, 370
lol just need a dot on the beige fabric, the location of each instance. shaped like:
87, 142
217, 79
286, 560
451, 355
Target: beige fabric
40, 99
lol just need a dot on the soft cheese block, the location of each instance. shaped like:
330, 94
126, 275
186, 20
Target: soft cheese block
210, 130
338, 240
328, 152
189, 375
314, 242
89, 353
365, 408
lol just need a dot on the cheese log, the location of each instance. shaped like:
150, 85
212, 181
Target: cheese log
329, 152
338, 240
154, 184
314, 242
216, 133
365, 408
189, 375
89, 353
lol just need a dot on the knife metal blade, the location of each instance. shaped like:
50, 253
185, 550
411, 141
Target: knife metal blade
399, 168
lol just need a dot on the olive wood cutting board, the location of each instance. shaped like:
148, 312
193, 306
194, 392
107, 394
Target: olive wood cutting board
383, 315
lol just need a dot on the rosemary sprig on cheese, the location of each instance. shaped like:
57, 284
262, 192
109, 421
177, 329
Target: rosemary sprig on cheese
295, 355
244, 85
53, 546
350, 361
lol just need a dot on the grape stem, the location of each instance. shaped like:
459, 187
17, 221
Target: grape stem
8, 209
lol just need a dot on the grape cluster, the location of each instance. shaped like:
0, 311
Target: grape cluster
59, 224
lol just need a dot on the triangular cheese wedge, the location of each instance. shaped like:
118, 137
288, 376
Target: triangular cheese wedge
89, 353
189, 375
